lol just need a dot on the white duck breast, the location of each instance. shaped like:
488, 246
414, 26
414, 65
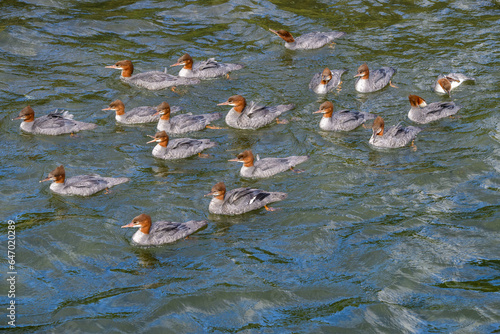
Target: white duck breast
163, 232
187, 123
241, 200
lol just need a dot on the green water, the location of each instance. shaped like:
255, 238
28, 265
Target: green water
368, 241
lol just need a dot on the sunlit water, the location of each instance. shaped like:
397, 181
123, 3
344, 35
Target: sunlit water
368, 241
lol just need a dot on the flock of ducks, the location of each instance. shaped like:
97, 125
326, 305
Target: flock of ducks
242, 115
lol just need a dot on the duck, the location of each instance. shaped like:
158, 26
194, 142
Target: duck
183, 123
53, 124
261, 168
326, 81
153, 80
161, 232
395, 136
423, 113
204, 69
343, 120
138, 115
240, 200
82, 185
445, 83
252, 116
178, 148
373, 81
312, 40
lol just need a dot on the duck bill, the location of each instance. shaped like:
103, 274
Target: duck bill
18, 117
318, 112
273, 31
176, 64
105, 109
358, 75
209, 194
223, 104
46, 179
151, 141
113, 66
128, 225
234, 160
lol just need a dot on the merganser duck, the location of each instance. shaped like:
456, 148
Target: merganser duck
240, 200
161, 232
395, 136
137, 115
325, 81
375, 80
313, 40
445, 83
422, 112
252, 116
343, 120
178, 148
83, 185
261, 168
183, 123
150, 80
54, 123
204, 69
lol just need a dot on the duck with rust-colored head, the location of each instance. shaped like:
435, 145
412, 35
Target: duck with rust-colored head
161, 232
240, 200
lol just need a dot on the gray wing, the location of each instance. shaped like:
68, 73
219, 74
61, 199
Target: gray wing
189, 121
312, 40
55, 120
321, 37
382, 75
315, 81
186, 144
154, 76
86, 181
166, 227
159, 80
395, 130
334, 34
336, 74
438, 108
168, 231
268, 164
209, 63
142, 111
459, 76
245, 196
346, 116
253, 110
400, 132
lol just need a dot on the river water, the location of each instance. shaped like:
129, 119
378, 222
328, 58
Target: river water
368, 241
